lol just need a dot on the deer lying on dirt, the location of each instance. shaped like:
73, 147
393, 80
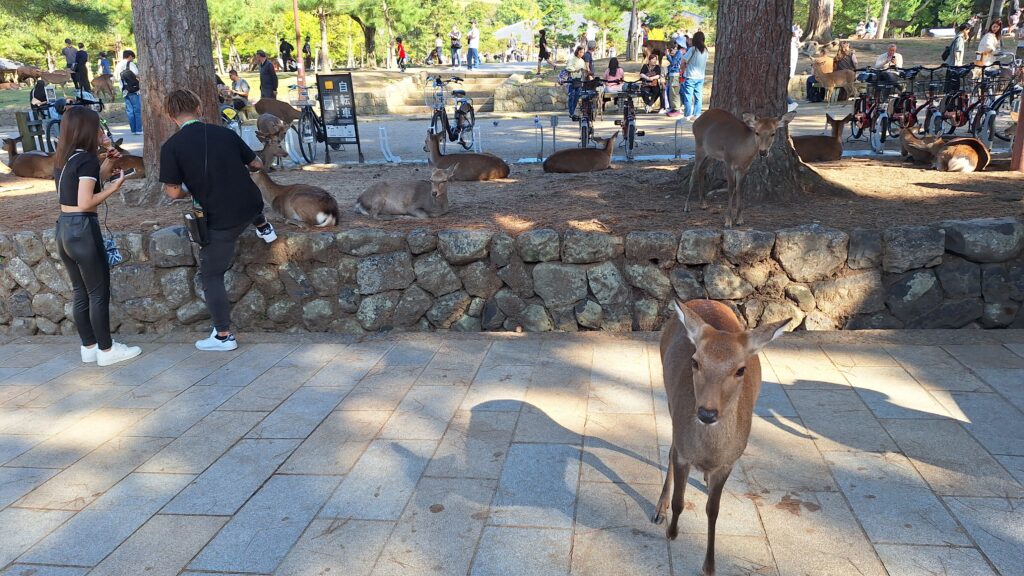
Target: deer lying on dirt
712, 378
301, 203
722, 136
831, 80
271, 130
575, 160
282, 110
103, 84
919, 149
34, 164
822, 148
416, 198
9, 86
962, 155
472, 167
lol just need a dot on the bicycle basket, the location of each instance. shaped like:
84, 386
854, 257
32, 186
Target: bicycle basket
436, 96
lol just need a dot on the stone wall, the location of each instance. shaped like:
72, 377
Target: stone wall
515, 95
949, 275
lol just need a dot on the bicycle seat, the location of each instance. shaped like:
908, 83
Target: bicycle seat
867, 76
993, 73
958, 71
455, 79
459, 93
911, 73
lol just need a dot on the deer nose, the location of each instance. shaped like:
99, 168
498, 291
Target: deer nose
764, 153
707, 416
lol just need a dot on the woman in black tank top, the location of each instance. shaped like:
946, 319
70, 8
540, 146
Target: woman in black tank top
79, 176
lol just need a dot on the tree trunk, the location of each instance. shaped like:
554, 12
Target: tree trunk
882, 20
233, 57
369, 40
819, 20
391, 36
175, 31
631, 50
220, 53
324, 51
751, 33
995, 11
351, 53
50, 66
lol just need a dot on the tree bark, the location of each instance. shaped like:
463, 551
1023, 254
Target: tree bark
751, 35
631, 48
882, 20
819, 20
325, 57
178, 32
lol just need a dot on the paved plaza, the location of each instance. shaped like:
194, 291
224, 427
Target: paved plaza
871, 453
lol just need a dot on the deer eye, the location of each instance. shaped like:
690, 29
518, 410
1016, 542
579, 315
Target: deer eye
741, 371
695, 365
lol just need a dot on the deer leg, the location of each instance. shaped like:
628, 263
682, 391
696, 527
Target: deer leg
730, 177
738, 183
715, 484
681, 474
666, 490
698, 162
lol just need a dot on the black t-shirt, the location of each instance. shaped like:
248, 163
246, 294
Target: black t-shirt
648, 70
81, 165
212, 161
588, 57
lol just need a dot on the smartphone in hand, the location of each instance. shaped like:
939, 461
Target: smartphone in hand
114, 177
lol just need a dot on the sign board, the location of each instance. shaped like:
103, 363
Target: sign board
338, 110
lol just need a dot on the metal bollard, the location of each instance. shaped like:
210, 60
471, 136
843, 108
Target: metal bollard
385, 145
477, 146
554, 141
675, 139
539, 136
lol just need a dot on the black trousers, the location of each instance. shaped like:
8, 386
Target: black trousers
215, 259
650, 94
80, 245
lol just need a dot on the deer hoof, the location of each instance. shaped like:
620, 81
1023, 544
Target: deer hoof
673, 531
659, 517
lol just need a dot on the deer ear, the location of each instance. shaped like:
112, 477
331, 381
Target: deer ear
692, 322
750, 120
847, 118
451, 170
786, 119
759, 337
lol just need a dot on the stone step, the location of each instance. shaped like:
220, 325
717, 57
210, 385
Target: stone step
479, 97
427, 112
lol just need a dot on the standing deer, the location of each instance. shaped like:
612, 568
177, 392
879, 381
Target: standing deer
720, 135
472, 167
712, 378
416, 198
282, 110
822, 148
103, 84
574, 160
300, 203
832, 79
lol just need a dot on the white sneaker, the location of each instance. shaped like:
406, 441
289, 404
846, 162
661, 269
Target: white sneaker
89, 354
266, 232
118, 353
793, 106
214, 344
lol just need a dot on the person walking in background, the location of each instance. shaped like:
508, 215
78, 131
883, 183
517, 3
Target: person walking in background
104, 64
588, 59
794, 56
268, 77
696, 61
239, 91
214, 163
400, 53
307, 54
675, 63
286, 49
991, 43
82, 185
860, 30
69, 54
128, 74
871, 29
473, 39
958, 47
438, 53
543, 54
455, 40
82, 68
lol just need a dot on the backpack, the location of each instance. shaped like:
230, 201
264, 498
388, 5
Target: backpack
129, 81
947, 50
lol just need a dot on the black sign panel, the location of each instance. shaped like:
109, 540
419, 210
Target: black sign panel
338, 109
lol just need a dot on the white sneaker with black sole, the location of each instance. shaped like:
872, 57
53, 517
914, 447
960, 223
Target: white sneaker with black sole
215, 344
118, 353
266, 232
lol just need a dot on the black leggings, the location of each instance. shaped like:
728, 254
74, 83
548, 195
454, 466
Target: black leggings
214, 261
80, 244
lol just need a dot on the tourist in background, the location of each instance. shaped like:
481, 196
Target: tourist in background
69, 53
650, 76
846, 57
127, 73
991, 43
239, 91
285, 49
576, 68
543, 54
588, 60
82, 68
696, 62
958, 47
473, 42
268, 77
455, 39
889, 63
613, 79
871, 29
675, 64
307, 54
103, 66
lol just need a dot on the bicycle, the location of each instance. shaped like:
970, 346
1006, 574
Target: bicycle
630, 90
59, 106
310, 128
960, 110
903, 108
586, 109
933, 92
465, 117
869, 110
1005, 111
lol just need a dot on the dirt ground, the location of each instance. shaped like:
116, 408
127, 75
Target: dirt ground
630, 197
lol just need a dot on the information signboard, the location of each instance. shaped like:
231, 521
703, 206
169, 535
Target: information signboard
338, 110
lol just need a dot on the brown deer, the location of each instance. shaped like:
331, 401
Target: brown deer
472, 167
103, 84
962, 155
918, 149
712, 378
61, 77
32, 164
822, 148
722, 136
575, 160
831, 79
271, 130
416, 198
282, 110
300, 203
27, 73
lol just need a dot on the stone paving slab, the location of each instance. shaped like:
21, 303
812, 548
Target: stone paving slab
873, 452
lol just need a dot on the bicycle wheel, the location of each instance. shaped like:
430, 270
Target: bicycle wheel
465, 121
979, 122
936, 123
52, 135
630, 140
1002, 122
307, 136
439, 126
878, 132
584, 132
856, 130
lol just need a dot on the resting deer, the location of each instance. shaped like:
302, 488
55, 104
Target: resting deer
722, 136
962, 155
32, 164
822, 148
574, 160
832, 79
712, 377
472, 167
300, 203
416, 198
920, 149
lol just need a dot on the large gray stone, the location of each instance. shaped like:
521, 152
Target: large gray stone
129, 281
724, 284
810, 252
538, 245
699, 246
23, 274
53, 275
317, 314
607, 284
176, 286
686, 284
999, 314
958, 277
503, 247
463, 246
348, 270
380, 273
324, 280
560, 285
491, 317
650, 279
657, 248
802, 295
169, 247
479, 280
617, 318
23, 327
375, 310
645, 315
476, 307
413, 305
535, 318
265, 276
865, 249
29, 247
6, 246
284, 312
369, 241
745, 246
517, 277
46, 326
778, 311
580, 247
589, 314
131, 244
757, 273
985, 239
950, 314
1002, 282
49, 237
816, 320
296, 284
508, 303
467, 323
909, 247
421, 241
858, 293
306, 246
448, 308
194, 311
20, 304
348, 300
48, 306
250, 309
753, 308
148, 309
564, 319
914, 294
435, 275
